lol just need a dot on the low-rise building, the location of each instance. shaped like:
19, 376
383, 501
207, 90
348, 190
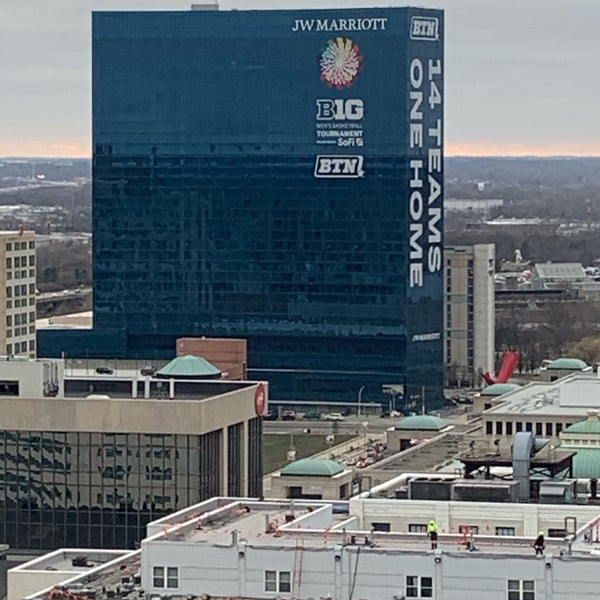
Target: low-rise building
90, 466
242, 548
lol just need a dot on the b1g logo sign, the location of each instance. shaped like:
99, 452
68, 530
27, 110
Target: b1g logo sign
424, 28
340, 110
338, 166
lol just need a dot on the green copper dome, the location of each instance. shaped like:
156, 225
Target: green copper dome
567, 364
590, 425
424, 422
315, 467
499, 389
189, 367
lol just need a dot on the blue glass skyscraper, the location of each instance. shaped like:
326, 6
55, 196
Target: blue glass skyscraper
278, 176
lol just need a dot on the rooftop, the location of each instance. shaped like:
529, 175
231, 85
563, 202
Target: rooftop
571, 396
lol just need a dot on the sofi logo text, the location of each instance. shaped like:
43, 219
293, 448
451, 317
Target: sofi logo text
340, 110
350, 166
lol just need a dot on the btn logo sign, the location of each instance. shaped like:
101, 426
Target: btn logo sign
424, 28
348, 166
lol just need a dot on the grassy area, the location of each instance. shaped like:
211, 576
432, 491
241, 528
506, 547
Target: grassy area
276, 446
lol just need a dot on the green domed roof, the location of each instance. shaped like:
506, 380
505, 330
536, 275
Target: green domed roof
189, 367
315, 467
590, 425
567, 364
499, 389
424, 422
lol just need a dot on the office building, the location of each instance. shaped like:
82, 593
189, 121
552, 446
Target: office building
469, 319
107, 453
18, 293
275, 176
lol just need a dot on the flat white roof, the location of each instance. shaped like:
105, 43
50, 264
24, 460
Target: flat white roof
569, 396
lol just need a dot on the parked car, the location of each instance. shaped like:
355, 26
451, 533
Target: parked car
288, 415
148, 370
334, 417
104, 370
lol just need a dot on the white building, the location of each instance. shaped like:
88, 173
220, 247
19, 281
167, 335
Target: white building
242, 548
544, 408
17, 293
469, 317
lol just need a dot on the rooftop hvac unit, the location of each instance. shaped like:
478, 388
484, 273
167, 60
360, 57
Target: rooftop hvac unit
558, 492
485, 491
429, 489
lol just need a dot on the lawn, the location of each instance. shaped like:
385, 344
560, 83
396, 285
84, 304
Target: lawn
276, 446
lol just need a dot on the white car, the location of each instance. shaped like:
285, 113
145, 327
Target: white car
334, 417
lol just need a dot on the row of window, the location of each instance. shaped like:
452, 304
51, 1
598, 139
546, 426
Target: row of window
281, 582
20, 331
510, 427
19, 347
20, 246
19, 290
20, 318
20, 274
18, 303
20, 261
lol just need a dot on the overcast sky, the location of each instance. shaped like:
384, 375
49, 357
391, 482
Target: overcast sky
522, 76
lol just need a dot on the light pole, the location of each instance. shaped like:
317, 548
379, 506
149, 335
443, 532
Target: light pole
359, 401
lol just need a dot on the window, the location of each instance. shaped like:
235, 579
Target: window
538, 429
474, 529
419, 587
518, 426
558, 428
498, 427
9, 247
9, 263
165, 577
488, 427
278, 581
380, 526
521, 589
509, 428
528, 426
417, 528
505, 531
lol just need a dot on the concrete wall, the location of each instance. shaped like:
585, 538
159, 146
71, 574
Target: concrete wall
138, 415
362, 572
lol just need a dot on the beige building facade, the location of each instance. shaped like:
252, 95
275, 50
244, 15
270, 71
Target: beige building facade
17, 293
93, 465
469, 317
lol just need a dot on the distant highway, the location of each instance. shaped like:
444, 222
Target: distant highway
64, 295
349, 425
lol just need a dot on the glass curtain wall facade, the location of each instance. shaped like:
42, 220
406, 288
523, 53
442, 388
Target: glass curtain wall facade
274, 175
99, 490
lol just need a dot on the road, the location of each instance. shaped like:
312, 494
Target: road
348, 426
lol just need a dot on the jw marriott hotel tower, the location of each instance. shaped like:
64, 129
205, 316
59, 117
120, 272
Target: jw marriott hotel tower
277, 176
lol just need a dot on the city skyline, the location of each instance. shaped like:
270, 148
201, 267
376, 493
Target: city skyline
518, 77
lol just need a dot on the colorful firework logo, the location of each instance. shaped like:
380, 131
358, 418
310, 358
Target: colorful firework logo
341, 62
